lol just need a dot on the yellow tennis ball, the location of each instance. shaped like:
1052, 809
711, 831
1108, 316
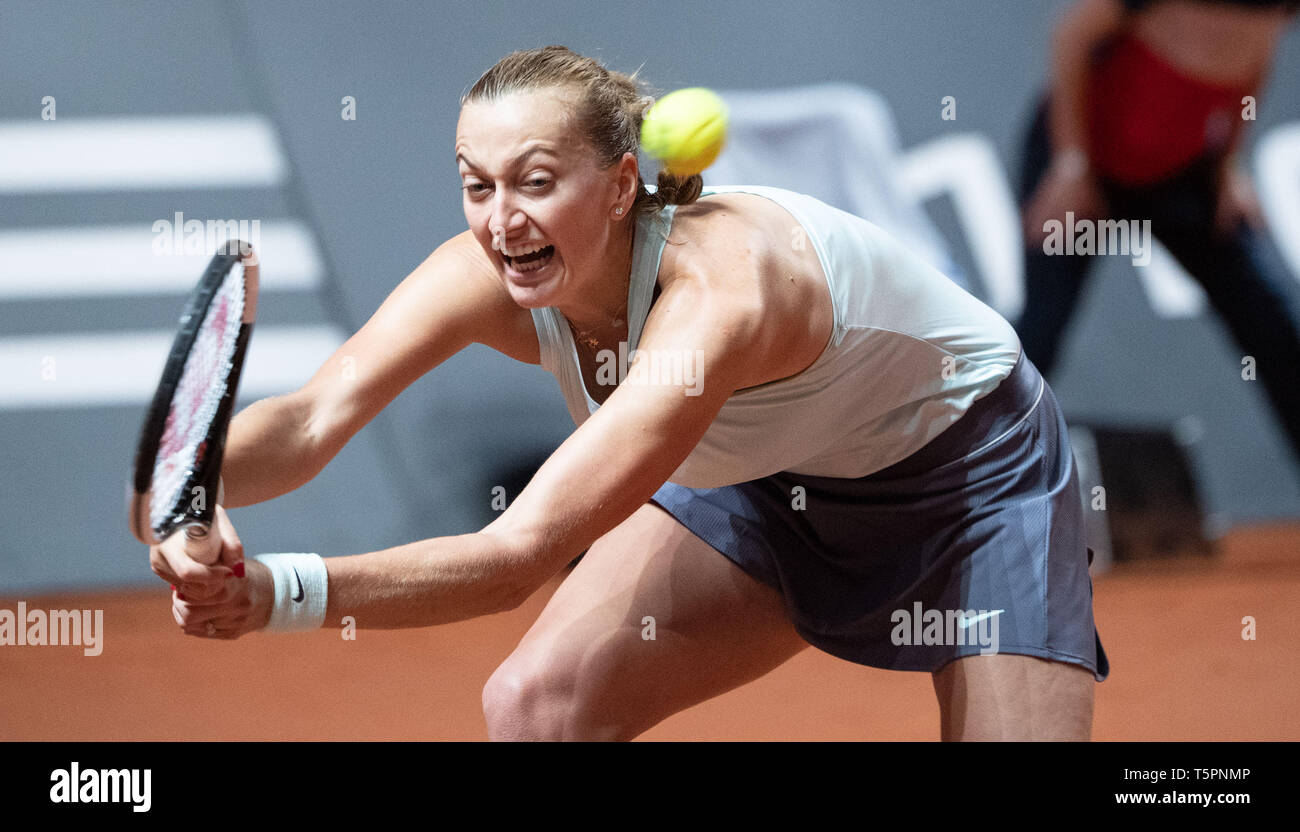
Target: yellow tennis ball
685, 130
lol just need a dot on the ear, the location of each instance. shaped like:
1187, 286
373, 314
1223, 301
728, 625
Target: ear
627, 171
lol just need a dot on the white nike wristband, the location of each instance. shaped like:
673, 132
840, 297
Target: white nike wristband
300, 591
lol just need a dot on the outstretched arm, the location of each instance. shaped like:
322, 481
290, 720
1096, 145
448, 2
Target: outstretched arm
606, 469
277, 444
449, 301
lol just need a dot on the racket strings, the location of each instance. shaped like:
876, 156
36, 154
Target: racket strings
198, 395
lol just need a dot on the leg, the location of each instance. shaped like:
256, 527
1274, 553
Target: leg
1052, 286
1011, 697
584, 669
1052, 281
1248, 293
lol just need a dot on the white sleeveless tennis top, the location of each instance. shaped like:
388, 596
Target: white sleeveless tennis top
909, 352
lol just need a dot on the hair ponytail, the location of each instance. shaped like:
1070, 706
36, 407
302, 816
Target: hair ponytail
674, 190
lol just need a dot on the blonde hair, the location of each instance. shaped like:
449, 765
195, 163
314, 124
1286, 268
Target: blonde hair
608, 111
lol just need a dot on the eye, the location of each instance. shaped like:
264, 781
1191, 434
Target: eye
539, 182
474, 187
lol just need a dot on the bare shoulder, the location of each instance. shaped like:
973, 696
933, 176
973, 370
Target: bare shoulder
748, 255
501, 323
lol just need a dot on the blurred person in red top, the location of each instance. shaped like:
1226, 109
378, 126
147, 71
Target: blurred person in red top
1146, 110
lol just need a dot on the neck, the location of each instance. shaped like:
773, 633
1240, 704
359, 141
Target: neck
602, 310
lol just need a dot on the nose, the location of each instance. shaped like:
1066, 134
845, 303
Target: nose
505, 219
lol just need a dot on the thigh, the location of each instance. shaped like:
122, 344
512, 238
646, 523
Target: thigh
1012, 697
1035, 151
1053, 283
1246, 286
1229, 268
651, 621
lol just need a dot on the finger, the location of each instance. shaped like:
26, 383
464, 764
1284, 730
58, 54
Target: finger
230, 627
230, 633
158, 563
225, 627
226, 623
191, 575
233, 606
191, 616
232, 550
205, 589
224, 594
186, 569
202, 544
203, 631
216, 633
230, 599
216, 586
191, 619
200, 594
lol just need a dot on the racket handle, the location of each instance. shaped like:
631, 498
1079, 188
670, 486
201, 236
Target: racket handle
201, 543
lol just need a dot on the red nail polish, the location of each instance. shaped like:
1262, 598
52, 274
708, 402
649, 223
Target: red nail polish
173, 587
239, 569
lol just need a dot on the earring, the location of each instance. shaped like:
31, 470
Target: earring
618, 210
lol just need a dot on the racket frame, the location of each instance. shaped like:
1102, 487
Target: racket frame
207, 469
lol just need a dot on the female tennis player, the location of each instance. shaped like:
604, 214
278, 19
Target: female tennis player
819, 440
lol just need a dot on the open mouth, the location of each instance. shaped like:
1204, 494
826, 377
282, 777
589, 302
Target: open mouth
530, 262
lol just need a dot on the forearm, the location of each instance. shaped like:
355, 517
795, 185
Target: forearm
1087, 25
1230, 158
1068, 114
434, 581
269, 451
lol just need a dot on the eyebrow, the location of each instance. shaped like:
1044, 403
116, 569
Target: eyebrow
460, 157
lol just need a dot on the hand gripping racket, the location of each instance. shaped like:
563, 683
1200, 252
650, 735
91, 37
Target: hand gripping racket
178, 461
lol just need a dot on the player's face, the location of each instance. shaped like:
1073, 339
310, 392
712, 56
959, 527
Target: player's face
532, 182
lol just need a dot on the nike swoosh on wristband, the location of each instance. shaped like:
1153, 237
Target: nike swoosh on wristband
298, 598
965, 622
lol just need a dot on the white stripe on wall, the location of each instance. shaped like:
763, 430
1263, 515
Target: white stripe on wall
122, 368
151, 152
80, 261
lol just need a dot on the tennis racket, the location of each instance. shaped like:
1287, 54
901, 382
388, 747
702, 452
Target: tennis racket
178, 461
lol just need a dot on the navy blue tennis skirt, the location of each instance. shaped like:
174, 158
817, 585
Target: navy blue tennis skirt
972, 545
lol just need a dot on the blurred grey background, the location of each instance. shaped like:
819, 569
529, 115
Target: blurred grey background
363, 201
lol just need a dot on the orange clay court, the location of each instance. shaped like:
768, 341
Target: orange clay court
1173, 629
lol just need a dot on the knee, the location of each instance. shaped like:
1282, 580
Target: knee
517, 705
537, 701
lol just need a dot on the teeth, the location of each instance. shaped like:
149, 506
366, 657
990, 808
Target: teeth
521, 252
